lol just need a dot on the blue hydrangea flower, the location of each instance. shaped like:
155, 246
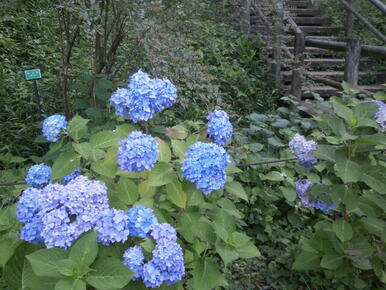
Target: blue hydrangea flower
205, 166
52, 127
61, 213
144, 98
302, 188
38, 175
133, 258
220, 128
119, 101
167, 265
141, 220
163, 232
71, 176
303, 150
27, 206
138, 152
380, 116
112, 226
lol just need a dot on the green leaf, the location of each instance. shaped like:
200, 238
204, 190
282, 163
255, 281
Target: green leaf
176, 194
236, 189
162, 173
7, 217
342, 111
85, 250
66, 267
32, 282
274, 176
375, 177
177, 132
122, 131
43, 262
206, 275
164, 151
83, 149
342, 230
104, 139
127, 191
331, 261
227, 253
70, 284
77, 127
66, 163
348, 170
288, 193
179, 148
325, 152
8, 246
306, 261
375, 226
109, 273
104, 168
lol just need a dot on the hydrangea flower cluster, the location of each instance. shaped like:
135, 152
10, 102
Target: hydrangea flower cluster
303, 186
380, 116
303, 150
167, 264
205, 166
52, 126
138, 152
38, 175
58, 214
141, 219
144, 98
71, 176
112, 226
220, 128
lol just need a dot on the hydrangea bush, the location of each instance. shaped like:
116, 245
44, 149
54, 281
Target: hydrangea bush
120, 205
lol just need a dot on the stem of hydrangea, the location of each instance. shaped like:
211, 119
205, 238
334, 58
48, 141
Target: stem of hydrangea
267, 162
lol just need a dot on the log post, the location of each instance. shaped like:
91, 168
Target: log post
350, 19
353, 55
297, 72
245, 17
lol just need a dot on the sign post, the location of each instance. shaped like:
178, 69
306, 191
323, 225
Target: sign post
34, 75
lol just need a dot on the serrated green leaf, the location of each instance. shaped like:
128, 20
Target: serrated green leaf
325, 152
43, 262
375, 177
331, 261
70, 284
227, 252
206, 275
165, 153
127, 191
109, 273
162, 173
236, 189
348, 170
83, 149
104, 139
176, 194
342, 230
66, 267
77, 127
342, 111
85, 250
306, 261
66, 163
8, 246
179, 148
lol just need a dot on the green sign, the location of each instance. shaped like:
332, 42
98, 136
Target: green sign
32, 74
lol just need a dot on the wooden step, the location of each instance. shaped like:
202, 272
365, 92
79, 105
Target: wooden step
327, 91
298, 4
312, 21
304, 12
320, 30
290, 38
312, 51
324, 62
378, 77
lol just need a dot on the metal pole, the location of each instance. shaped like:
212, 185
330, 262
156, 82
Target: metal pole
37, 97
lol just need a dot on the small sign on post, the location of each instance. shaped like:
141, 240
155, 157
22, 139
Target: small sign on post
33, 75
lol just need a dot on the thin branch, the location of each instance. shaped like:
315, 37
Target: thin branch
12, 183
266, 162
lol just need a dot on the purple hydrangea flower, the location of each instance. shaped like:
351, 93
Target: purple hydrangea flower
303, 150
302, 188
71, 176
52, 127
119, 101
163, 232
112, 226
61, 213
133, 258
205, 166
380, 116
38, 175
141, 220
138, 152
220, 128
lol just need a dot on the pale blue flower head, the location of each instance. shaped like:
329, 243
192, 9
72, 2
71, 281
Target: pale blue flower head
119, 100
52, 127
380, 116
112, 226
133, 258
38, 175
27, 207
141, 220
205, 166
138, 152
31, 231
163, 232
71, 176
302, 188
220, 128
303, 150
